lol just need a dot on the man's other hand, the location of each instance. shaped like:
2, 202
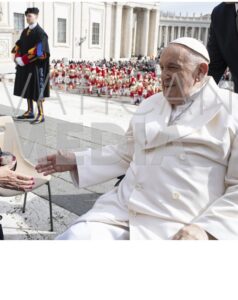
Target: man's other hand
192, 232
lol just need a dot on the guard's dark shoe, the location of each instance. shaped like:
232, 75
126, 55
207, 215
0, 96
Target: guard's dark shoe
26, 116
38, 120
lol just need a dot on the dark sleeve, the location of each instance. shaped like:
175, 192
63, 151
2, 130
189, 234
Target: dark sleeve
16, 49
43, 40
39, 51
45, 45
217, 64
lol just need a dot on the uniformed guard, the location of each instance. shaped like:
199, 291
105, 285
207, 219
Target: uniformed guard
32, 67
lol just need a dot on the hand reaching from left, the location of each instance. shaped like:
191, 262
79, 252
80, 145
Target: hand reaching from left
59, 162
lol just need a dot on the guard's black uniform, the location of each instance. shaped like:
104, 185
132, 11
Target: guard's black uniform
32, 71
33, 48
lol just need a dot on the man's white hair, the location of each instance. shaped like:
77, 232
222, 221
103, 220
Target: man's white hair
194, 57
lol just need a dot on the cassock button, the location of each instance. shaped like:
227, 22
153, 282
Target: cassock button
139, 186
175, 195
133, 213
182, 156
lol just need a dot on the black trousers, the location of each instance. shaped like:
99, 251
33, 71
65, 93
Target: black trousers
1, 233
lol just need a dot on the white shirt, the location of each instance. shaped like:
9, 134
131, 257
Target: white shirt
236, 6
31, 26
178, 110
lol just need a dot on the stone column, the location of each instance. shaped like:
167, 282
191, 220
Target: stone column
126, 35
206, 36
145, 32
186, 31
117, 31
107, 30
166, 36
153, 32
160, 36
175, 32
199, 33
134, 37
202, 34
172, 33
179, 31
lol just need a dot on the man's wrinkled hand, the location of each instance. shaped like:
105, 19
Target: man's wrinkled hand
59, 162
191, 232
15, 181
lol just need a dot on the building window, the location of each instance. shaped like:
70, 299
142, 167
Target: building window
61, 30
19, 22
95, 33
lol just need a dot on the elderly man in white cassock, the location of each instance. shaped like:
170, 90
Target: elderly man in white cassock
179, 157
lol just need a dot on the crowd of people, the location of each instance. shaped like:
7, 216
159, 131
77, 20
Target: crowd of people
138, 79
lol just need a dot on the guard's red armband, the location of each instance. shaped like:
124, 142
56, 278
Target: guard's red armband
25, 59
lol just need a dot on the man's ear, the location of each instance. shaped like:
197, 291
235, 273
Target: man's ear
202, 70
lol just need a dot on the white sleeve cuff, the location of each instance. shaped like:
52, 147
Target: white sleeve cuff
77, 180
20, 61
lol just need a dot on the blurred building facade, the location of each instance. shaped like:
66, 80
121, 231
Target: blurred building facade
173, 26
86, 30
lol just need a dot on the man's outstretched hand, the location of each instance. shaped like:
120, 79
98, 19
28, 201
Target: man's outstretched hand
14, 181
59, 162
192, 232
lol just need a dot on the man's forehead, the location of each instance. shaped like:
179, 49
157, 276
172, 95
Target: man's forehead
174, 49
173, 53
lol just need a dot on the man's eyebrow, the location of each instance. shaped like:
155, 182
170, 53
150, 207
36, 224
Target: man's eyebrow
173, 64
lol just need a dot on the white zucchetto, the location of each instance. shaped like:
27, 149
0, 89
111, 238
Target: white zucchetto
194, 45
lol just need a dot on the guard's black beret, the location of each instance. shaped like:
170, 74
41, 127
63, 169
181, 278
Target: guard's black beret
32, 10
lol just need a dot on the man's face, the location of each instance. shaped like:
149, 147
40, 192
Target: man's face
31, 18
178, 73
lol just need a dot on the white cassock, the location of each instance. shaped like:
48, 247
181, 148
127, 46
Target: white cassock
179, 174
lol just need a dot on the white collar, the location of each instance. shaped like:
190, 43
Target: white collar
236, 6
193, 94
33, 25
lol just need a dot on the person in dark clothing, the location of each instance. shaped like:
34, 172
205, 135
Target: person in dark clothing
223, 41
32, 67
